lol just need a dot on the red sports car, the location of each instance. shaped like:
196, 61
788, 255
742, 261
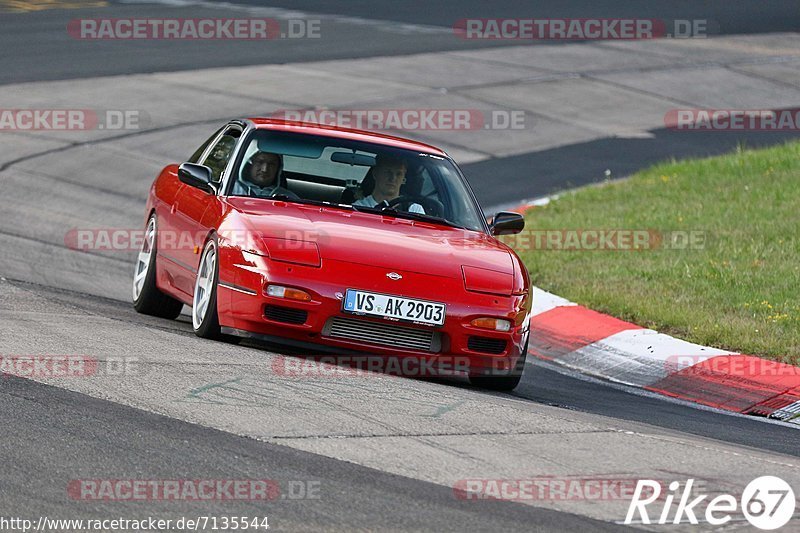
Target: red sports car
335, 240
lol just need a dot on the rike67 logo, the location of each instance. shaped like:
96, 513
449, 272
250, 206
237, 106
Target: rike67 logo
767, 503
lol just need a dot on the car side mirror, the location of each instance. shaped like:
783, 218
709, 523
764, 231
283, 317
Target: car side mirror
198, 176
507, 223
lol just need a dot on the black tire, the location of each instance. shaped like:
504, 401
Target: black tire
503, 382
208, 327
150, 300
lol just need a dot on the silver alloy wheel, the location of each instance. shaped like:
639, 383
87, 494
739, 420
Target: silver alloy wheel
204, 286
143, 259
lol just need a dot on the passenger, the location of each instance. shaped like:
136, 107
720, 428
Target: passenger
217, 160
262, 177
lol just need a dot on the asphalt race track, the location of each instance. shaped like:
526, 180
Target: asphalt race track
385, 452
44, 51
86, 428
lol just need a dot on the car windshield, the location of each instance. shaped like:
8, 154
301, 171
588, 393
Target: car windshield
354, 175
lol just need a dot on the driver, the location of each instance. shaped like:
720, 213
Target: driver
262, 178
389, 174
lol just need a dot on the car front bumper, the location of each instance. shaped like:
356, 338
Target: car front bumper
321, 326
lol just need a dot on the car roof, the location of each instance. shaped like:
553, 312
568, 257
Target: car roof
344, 133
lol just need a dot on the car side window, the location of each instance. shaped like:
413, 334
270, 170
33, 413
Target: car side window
199, 152
217, 159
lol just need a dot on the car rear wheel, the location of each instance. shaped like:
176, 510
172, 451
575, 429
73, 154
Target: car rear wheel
147, 298
205, 319
502, 382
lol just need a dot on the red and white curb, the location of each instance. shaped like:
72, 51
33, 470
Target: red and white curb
602, 346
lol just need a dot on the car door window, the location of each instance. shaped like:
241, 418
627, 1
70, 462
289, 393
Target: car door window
219, 155
200, 151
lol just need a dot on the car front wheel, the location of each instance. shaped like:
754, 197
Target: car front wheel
205, 320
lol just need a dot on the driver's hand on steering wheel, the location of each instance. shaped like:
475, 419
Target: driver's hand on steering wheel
408, 203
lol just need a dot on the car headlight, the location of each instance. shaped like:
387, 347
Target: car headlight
488, 281
289, 251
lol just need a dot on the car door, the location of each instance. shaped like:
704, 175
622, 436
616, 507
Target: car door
168, 193
192, 203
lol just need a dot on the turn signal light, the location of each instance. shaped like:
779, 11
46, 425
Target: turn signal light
497, 324
288, 293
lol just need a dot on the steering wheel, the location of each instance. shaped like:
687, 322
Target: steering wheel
431, 206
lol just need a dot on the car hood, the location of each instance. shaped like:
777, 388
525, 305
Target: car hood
382, 241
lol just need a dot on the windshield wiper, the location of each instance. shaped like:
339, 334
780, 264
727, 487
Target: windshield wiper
287, 198
429, 218
409, 215
366, 209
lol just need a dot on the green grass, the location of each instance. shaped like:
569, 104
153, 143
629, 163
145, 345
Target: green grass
740, 291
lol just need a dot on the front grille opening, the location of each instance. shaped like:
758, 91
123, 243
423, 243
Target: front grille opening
383, 334
486, 345
287, 315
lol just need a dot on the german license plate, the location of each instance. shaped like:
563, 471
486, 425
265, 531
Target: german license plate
396, 307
